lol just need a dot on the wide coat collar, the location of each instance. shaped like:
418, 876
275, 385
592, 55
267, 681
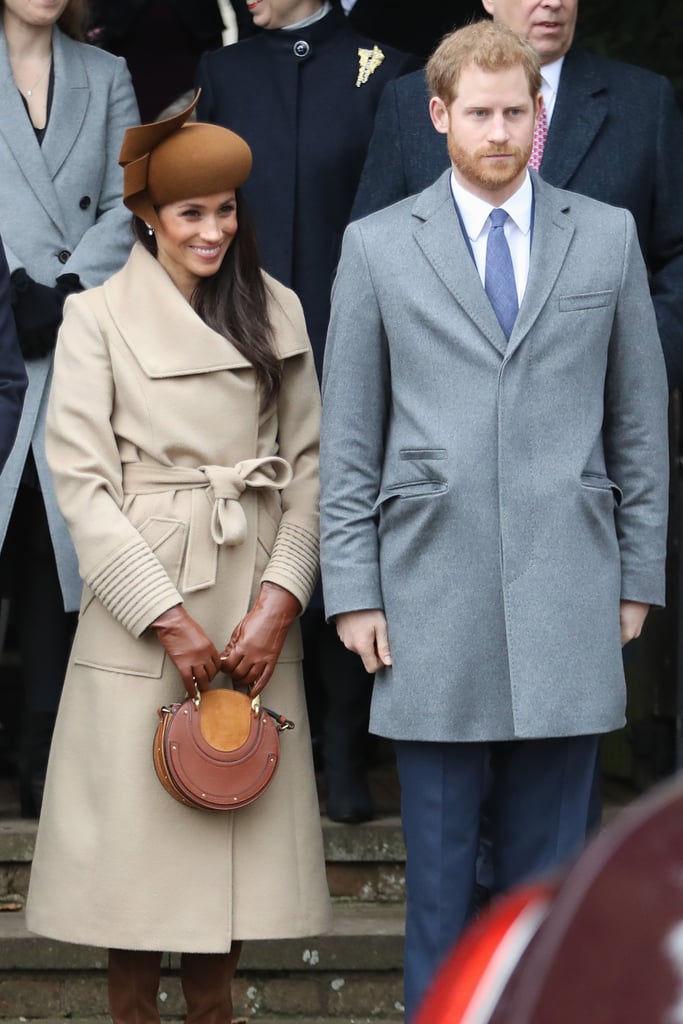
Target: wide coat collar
41, 164
580, 110
166, 336
440, 236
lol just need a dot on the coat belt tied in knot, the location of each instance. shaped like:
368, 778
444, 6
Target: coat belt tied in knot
228, 484
222, 516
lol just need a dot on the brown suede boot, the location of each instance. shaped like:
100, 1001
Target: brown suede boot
133, 979
206, 979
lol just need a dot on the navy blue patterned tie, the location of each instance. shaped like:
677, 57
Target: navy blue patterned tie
499, 276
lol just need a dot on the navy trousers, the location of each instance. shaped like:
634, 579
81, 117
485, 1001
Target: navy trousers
538, 794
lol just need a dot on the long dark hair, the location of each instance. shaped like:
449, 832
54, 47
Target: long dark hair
234, 301
74, 19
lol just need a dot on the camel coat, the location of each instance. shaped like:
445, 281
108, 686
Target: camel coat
154, 437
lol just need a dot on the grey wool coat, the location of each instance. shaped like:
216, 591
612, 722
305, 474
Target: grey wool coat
496, 500
61, 212
173, 484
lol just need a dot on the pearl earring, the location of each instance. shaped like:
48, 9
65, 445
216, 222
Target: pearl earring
150, 229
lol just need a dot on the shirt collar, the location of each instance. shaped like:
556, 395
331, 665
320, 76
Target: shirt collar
310, 20
475, 211
551, 74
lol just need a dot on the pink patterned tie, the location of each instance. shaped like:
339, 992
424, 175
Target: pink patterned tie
540, 135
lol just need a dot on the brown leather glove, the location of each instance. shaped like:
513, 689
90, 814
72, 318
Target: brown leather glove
188, 647
251, 654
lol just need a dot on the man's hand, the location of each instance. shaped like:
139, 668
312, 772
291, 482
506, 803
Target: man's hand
365, 633
632, 615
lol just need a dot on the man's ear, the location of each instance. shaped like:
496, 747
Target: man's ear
438, 111
538, 103
489, 6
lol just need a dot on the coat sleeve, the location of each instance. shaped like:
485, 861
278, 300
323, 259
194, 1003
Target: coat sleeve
664, 246
294, 559
13, 379
356, 396
115, 561
104, 247
636, 431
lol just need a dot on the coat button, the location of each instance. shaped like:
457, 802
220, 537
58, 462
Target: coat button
301, 48
63, 256
85, 202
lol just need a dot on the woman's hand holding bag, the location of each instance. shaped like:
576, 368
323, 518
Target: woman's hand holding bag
188, 647
252, 652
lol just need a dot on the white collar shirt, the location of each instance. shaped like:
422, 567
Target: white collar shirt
475, 214
550, 83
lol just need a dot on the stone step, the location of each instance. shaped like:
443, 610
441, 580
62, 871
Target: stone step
363, 936
353, 973
365, 862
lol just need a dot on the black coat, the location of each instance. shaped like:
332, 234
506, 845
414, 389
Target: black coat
293, 97
161, 40
13, 381
616, 135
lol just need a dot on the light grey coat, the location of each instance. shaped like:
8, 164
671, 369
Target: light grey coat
62, 199
495, 500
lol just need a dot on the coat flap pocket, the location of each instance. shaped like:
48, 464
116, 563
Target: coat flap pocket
410, 489
589, 300
101, 641
601, 482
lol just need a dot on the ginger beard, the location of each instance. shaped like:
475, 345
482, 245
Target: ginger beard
485, 167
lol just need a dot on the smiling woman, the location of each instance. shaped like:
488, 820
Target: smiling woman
194, 236
185, 401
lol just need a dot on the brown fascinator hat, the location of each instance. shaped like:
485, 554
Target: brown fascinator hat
170, 160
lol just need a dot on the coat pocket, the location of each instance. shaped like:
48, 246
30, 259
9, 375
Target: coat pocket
601, 482
410, 489
101, 641
588, 300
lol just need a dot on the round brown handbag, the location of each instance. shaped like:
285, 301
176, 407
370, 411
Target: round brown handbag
218, 750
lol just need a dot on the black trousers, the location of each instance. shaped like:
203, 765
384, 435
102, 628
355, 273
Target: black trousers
28, 576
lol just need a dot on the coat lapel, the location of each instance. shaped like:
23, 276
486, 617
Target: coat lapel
580, 109
440, 236
16, 128
159, 326
69, 103
552, 235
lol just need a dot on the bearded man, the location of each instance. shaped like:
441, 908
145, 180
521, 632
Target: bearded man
494, 487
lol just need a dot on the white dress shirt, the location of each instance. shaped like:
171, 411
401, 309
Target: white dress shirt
475, 217
550, 83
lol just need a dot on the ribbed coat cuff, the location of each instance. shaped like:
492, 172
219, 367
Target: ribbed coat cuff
133, 586
294, 561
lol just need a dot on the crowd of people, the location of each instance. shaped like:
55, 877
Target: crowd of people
480, 263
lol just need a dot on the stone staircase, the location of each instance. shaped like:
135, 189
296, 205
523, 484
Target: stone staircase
351, 975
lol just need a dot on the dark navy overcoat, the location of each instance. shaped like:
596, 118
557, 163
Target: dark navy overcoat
303, 103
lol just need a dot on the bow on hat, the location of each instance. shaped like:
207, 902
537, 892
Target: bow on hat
166, 161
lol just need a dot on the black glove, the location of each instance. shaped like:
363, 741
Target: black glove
38, 310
